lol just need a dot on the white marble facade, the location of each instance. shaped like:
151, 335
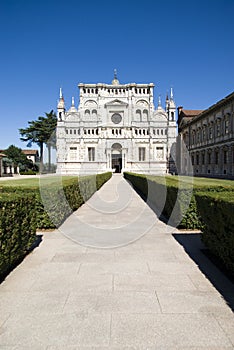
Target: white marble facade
116, 128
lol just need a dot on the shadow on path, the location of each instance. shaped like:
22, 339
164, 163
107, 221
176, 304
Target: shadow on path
193, 246
35, 244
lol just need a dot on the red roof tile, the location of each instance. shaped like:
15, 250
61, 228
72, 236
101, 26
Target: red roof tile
191, 112
30, 151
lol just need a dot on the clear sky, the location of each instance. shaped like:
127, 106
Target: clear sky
187, 45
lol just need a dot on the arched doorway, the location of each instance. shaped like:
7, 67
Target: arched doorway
116, 157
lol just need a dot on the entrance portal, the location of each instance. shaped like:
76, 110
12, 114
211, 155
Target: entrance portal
116, 157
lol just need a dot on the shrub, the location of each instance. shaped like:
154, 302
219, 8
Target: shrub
174, 196
176, 203
216, 210
56, 199
17, 228
28, 172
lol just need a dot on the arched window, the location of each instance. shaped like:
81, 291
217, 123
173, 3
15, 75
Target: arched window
138, 115
87, 113
172, 116
145, 115
94, 112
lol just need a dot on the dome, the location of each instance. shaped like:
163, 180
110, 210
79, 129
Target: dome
115, 81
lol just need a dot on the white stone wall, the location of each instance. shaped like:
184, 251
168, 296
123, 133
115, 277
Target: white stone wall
114, 114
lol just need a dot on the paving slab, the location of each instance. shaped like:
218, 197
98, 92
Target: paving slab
167, 330
149, 282
138, 284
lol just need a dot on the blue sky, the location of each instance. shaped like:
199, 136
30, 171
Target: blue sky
47, 44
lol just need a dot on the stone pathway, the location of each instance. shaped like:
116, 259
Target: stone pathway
147, 294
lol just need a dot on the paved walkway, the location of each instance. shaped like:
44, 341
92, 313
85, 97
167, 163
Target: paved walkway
148, 294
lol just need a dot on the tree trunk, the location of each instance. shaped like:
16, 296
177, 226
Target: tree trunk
41, 157
49, 158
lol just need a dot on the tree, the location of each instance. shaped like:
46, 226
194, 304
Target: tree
16, 158
41, 132
51, 123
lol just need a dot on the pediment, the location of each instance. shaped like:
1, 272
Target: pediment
72, 116
116, 102
160, 116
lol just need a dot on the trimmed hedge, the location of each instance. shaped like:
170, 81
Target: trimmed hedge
176, 204
23, 210
28, 172
217, 210
208, 207
17, 228
59, 197
175, 196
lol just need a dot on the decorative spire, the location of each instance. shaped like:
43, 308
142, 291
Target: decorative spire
159, 101
73, 108
159, 104
61, 100
115, 73
172, 94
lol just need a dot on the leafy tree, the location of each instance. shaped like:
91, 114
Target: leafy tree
41, 132
15, 158
51, 122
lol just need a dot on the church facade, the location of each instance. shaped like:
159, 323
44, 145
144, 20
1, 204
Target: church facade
117, 128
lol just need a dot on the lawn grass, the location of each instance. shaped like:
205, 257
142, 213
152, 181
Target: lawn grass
193, 182
35, 182
204, 181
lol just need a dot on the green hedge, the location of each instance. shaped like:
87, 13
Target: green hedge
175, 196
28, 172
206, 206
60, 196
217, 210
176, 204
17, 228
23, 209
